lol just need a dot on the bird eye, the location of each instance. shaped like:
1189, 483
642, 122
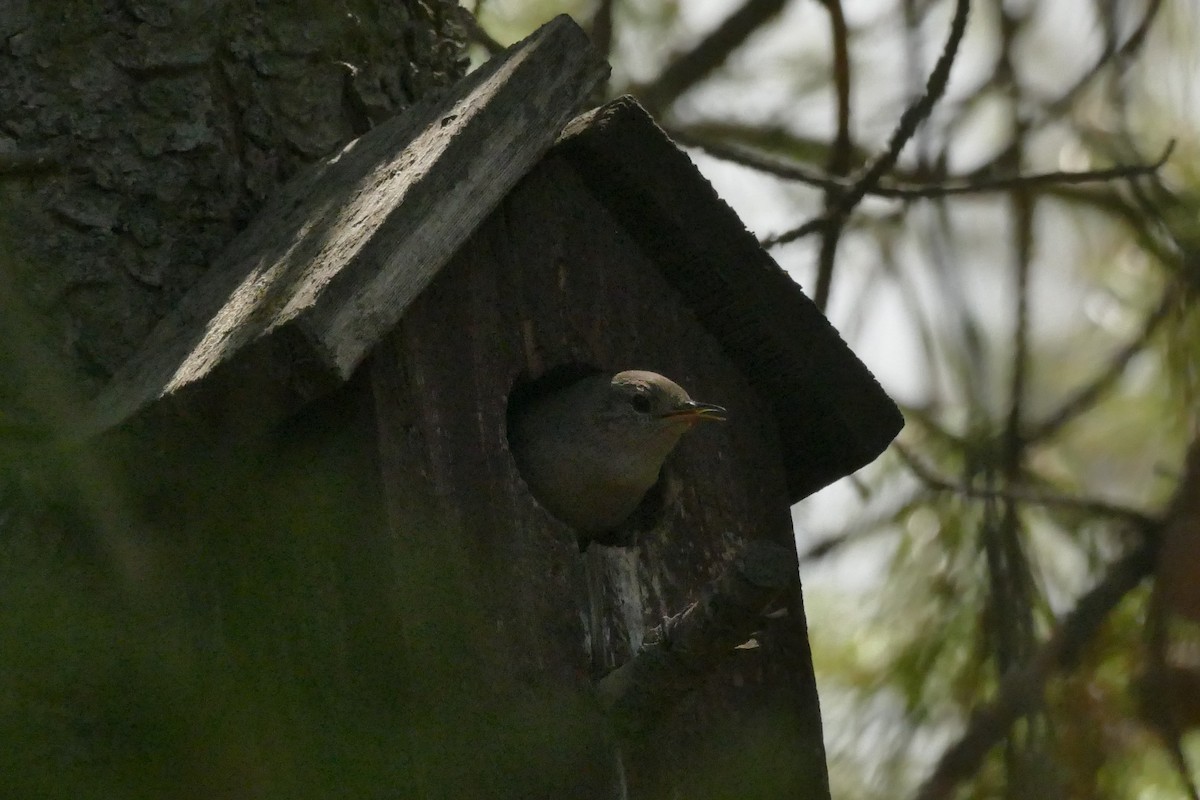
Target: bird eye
640, 403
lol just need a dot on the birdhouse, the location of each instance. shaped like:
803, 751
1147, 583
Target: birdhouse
412, 293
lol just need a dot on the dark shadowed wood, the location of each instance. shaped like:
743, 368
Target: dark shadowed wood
329, 266
833, 416
552, 279
679, 654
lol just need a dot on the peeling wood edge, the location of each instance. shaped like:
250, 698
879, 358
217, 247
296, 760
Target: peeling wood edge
679, 654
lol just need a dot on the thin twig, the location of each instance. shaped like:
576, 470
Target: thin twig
1010, 584
914, 191
843, 147
601, 29
869, 176
478, 35
1051, 111
976, 185
943, 436
1107, 56
688, 69
1087, 395
840, 153
828, 544
1088, 505
1156, 240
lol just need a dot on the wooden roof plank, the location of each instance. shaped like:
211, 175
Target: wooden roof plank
333, 260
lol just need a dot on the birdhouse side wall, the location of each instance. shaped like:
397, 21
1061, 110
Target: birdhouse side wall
549, 280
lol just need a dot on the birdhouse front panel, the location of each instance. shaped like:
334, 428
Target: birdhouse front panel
553, 285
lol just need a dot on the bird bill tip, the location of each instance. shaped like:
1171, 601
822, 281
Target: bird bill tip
696, 412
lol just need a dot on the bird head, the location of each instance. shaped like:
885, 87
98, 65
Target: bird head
647, 412
591, 450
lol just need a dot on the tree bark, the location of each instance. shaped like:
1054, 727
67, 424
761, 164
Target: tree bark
229, 632
137, 137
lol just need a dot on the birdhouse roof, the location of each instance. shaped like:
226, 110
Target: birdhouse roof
832, 415
330, 265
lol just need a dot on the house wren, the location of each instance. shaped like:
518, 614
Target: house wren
592, 450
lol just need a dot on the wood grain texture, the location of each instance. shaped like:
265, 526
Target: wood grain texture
331, 263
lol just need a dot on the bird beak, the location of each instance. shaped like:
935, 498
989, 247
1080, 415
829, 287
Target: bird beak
691, 411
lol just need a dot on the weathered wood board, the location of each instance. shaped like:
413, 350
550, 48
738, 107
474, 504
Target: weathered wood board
330, 264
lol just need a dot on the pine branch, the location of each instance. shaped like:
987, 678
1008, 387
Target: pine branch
919, 191
1020, 690
1088, 505
916, 113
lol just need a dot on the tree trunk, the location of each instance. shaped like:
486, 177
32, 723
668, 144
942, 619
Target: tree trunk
137, 137
224, 626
